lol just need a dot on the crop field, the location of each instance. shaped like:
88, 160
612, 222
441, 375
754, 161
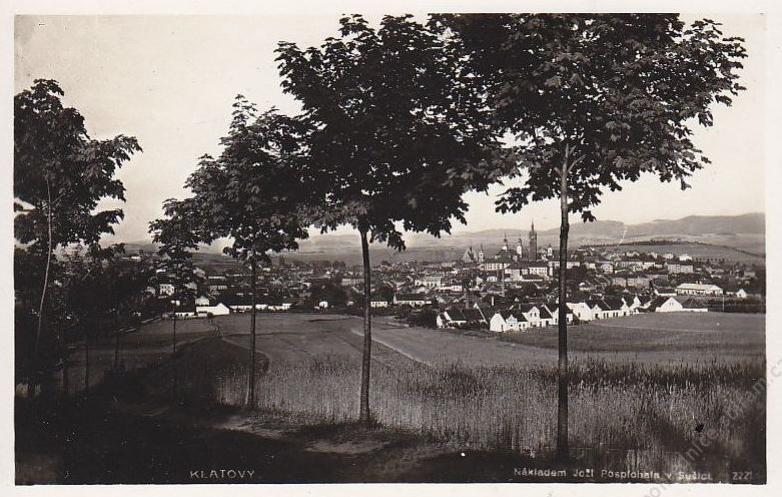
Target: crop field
661, 338
640, 386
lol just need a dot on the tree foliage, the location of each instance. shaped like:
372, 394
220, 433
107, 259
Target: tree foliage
253, 192
177, 237
60, 176
58, 166
398, 132
593, 101
613, 96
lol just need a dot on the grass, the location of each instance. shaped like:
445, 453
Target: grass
639, 387
679, 338
626, 416
715, 247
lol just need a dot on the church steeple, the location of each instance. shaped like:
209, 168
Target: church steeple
533, 243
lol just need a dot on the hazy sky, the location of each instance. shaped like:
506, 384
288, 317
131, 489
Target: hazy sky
170, 81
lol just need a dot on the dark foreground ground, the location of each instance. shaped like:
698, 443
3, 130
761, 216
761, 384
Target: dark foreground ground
131, 431
144, 428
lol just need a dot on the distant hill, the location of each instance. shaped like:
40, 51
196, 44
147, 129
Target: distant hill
744, 232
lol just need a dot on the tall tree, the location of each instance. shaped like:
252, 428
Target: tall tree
398, 134
593, 101
177, 239
60, 175
253, 194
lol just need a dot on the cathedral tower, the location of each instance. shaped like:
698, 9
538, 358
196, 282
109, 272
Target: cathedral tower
533, 243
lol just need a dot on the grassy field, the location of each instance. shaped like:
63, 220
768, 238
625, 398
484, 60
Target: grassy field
717, 248
640, 387
661, 338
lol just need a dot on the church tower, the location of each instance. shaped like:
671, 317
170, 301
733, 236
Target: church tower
519, 250
533, 243
481, 256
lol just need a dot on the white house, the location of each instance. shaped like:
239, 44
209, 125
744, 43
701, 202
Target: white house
413, 300
633, 303
530, 312
378, 303
451, 318
698, 289
430, 281
165, 289
677, 304
581, 310
215, 310
547, 316
504, 321
600, 309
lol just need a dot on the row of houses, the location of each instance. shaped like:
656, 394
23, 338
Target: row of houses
519, 317
203, 309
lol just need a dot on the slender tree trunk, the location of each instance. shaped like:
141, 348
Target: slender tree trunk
173, 359
253, 311
65, 380
364, 414
116, 341
87, 362
36, 349
562, 370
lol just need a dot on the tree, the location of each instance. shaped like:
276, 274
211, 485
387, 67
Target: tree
253, 193
177, 236
398, 134
595, 100
60, 176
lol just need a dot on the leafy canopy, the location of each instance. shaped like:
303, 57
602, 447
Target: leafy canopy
397, 132
177, 236
610, 96
253, 192
58, 167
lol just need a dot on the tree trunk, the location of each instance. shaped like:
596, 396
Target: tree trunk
34, 379
173, 359
65, 380
116, 341
87, 362
562, 370
364, 414
253, 311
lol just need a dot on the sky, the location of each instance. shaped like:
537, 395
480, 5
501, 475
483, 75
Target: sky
170, 81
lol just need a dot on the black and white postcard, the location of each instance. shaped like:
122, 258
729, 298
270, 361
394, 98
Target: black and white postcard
284, 246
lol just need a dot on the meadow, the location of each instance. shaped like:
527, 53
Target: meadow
627, 415
742, 249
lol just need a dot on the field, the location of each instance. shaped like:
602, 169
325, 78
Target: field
640, 386
676, 394
705, 250
662, 338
